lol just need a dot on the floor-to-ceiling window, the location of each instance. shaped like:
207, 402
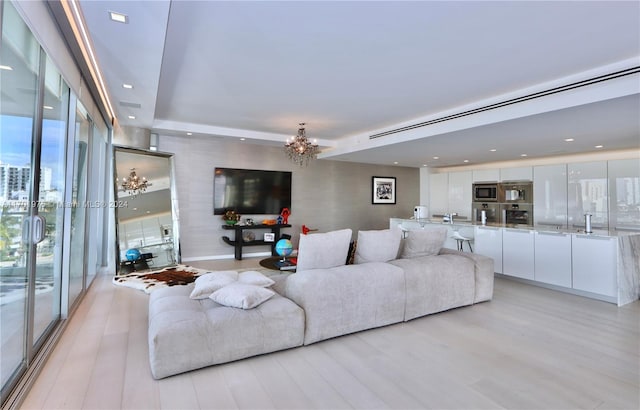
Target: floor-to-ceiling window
48, 147
19, 79
79, 199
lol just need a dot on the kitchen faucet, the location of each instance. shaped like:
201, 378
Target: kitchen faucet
449, 217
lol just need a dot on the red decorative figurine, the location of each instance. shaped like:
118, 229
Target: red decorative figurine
285, 215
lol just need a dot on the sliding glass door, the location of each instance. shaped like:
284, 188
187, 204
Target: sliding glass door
33, 133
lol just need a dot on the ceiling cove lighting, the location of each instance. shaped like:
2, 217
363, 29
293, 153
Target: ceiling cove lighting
76, 21
299, 149
118, 17
6, 67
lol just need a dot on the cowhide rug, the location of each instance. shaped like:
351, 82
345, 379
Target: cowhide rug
150, 281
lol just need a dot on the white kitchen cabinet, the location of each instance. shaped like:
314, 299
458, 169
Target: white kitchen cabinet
594, 261
553, 258
486, 175
624, 189
488, 242
518, 253
460, 197
516, 174
439, 193
587, 193
550, 195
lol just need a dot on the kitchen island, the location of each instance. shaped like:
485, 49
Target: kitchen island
603, 265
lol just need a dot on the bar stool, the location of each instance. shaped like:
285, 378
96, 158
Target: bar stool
461, 240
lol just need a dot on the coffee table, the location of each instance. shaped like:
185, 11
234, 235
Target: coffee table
270, 263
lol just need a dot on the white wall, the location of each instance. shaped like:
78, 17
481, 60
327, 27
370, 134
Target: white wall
326, 195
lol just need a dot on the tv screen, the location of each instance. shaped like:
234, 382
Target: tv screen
250, 191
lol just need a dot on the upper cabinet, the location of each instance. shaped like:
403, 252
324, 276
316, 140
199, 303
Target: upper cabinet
516, 174
438, 194
624, 191
460, 193
587, 194
486, 175
550, 195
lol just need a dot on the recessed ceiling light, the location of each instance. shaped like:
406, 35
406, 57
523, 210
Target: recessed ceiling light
424, 165
466, 160
6, 67
569, 140
127, 86
189, 133
148, 212
436, 157
242, 139
118, 17
47, 107
395, 162
132, 117
599, 146
135, 209
523, 155
493, 150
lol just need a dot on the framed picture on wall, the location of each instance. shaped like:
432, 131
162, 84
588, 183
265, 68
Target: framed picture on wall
383, 190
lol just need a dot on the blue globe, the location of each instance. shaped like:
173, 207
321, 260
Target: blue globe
284, 247
132, 254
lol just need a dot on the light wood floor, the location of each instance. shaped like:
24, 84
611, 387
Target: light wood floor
529, 348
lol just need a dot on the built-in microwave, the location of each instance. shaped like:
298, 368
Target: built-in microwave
485, 192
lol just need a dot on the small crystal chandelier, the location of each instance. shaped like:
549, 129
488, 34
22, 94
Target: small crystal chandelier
135, 185
299, 149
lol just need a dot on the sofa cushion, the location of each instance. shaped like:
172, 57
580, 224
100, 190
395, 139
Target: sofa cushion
425, 242
323, 250
377, 246
187, 334
208, 283
347, 299
437, 283
241, 295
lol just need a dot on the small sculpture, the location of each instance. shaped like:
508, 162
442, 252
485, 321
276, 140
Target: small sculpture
306, 230
285, 215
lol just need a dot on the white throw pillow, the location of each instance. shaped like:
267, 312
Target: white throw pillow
377, 246
208, 283
323, 250
252, 277
425, 242
242, 296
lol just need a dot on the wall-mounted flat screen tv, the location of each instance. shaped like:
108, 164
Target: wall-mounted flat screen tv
251, 191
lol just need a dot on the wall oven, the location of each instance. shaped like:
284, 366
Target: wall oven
517, 214
485, 192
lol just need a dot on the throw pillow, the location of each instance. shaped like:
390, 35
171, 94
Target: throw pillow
253, 277
377, 246
425, 242
242, 296
323, 250
208, 283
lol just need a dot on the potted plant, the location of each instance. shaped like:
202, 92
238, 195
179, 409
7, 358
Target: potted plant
231, 217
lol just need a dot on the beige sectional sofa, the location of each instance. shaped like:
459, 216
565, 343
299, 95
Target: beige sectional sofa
391, 282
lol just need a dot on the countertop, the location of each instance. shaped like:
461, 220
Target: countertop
537, 228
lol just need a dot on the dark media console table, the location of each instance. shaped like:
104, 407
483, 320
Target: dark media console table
239, 242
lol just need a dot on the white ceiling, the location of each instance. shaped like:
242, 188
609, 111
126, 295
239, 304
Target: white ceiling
352, 69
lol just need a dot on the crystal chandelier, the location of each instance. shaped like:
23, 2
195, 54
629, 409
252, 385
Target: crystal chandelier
299, 149
134, 185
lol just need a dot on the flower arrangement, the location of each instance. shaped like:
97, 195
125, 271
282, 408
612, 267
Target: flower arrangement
231, 217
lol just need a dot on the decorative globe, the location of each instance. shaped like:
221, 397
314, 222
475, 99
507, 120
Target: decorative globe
132, 254
284, 247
